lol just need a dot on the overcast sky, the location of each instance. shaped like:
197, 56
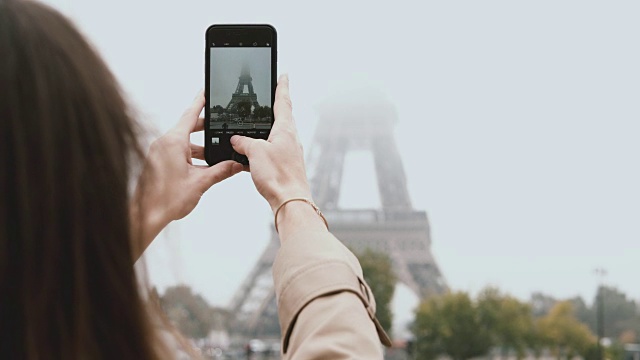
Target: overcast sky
518, 127
226, 66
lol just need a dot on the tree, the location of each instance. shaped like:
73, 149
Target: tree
244, 108
615, 352
563, 333
620, 313
190, 312
451, 325
428, 329
378, 273
261, 111
541, 304
508, 321
584, 313
268, 112
218, 109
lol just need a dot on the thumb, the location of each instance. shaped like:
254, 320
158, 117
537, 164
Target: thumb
218, 172
242, 144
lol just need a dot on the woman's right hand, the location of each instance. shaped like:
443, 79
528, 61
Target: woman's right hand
277, 164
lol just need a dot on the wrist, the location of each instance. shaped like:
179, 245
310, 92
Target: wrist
296, 216
278, 200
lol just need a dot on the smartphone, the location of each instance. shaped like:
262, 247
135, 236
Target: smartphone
240, 86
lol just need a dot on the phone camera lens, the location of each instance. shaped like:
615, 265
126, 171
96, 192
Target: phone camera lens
255, 44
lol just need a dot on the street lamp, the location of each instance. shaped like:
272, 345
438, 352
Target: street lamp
600, 273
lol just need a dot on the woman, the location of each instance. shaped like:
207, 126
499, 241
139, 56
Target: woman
70, 228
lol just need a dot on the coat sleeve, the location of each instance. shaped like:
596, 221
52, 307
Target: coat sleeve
325, 308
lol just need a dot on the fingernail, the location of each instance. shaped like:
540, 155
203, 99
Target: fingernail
234, 139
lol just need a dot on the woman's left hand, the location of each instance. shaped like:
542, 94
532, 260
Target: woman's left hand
170, 186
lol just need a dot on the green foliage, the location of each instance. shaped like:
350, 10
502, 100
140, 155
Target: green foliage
190, 312
615, 352
621, 315
562, 332
456, 326
378, 273
508, 321
428, 329
451, 325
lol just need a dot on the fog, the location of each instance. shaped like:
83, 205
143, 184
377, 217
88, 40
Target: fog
226, 66
518, 127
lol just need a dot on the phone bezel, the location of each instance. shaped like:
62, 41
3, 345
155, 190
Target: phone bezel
234, 33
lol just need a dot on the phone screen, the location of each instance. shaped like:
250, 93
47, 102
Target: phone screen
241, 85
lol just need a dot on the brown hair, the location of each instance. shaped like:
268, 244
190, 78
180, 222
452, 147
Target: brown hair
68, 145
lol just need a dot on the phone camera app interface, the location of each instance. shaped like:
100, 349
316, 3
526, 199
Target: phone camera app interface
240, 90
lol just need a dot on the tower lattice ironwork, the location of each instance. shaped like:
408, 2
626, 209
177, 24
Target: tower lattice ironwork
239, 96
395, 229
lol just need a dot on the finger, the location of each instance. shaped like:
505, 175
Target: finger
197, 151
243, 144
282, 107
190, 117
199, 125
210, 176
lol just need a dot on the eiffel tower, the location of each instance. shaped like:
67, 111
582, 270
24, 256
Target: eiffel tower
239, 95
395, 229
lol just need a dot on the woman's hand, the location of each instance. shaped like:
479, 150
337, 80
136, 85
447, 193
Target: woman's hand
277, 168
277, 164
170, 186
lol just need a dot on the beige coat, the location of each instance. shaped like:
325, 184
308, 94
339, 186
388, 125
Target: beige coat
326, 309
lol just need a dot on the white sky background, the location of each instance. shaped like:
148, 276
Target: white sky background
519, 127
226, 66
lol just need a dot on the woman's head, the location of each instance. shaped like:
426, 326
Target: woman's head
67, 146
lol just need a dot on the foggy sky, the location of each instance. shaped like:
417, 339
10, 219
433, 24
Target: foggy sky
226, 65
518, 127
